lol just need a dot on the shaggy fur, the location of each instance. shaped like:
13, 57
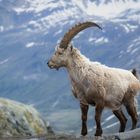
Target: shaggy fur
98, 85
90, 77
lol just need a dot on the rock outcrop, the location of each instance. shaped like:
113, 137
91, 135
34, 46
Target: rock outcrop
17, 119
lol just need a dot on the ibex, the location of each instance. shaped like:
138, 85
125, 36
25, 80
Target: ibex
96, 84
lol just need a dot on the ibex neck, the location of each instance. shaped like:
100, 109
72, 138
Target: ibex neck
76, 66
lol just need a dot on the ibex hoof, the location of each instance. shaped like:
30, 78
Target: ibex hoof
98, 132
84, 132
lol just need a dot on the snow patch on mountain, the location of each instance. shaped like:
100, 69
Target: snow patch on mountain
125, 27
129, 27
101, 40
31, 77
132, 48
29, 45
109, 118
58, 32
72, 7
91, 39
111, 125
129, 48
55, 103
4, 61
105, 9
1, 28
35, 24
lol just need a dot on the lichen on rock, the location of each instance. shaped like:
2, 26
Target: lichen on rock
17, 119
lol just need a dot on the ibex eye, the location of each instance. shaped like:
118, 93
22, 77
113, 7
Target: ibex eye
60, 53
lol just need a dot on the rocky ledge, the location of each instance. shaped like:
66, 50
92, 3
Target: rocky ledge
129, 135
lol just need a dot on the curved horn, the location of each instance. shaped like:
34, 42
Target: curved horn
75, 30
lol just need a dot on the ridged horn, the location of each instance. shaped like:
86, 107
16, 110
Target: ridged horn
74, 31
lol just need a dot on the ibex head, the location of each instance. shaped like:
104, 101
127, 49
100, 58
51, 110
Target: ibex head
64, 50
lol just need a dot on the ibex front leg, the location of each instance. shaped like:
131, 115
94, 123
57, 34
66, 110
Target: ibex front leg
98, 111
84, 111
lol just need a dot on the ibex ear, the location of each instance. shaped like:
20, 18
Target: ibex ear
70, 47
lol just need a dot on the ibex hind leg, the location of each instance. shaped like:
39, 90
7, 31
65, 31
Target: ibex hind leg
120, 115
132, 111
